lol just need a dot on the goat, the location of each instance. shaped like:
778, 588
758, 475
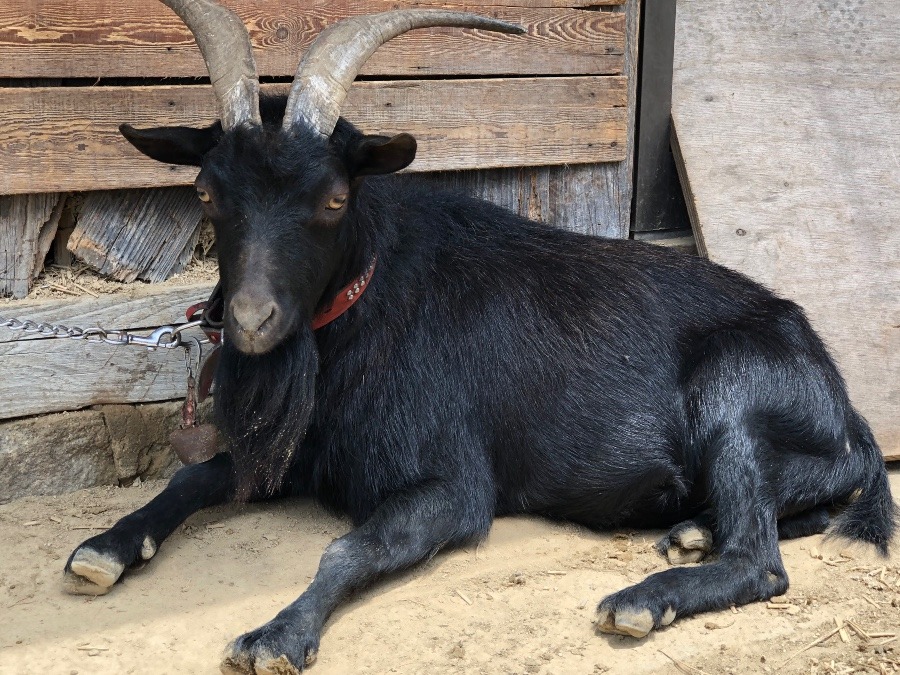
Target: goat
493, 366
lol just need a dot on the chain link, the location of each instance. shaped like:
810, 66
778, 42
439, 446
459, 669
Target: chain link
164, 337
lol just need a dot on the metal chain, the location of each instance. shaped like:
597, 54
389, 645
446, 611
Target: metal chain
164, 337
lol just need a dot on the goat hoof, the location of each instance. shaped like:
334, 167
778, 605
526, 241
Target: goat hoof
686, 543
91, 572
635, 623
99, 562
262, 666
73, 584
277, 648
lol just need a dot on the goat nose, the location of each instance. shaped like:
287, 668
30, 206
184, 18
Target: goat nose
251, 311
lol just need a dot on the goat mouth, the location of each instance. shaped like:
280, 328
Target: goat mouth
258, 341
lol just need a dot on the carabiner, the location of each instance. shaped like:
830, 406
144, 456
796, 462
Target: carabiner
156, 339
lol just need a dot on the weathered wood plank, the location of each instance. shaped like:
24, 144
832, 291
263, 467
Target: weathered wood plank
60, 139
571, 197
137, 234
608, 210
47, 236
590, 198
136, 306
788, 126
27, 226
60, 38
46, 375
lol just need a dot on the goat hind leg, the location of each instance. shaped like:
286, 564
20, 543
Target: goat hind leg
749, 567
689, 541
99, 562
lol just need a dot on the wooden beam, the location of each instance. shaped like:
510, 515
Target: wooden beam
137, 38
45, 374
61, 139
135, 306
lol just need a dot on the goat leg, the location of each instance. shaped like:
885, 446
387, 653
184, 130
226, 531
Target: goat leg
406, 529
746, 534
688, 542
99, 562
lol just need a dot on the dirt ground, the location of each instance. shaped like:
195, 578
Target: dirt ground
521, 602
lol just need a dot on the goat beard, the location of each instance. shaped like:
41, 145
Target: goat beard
263, 406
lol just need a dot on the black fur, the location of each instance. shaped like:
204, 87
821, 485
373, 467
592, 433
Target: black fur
496, 366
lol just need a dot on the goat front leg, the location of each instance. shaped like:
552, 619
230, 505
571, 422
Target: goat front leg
408, 528
99, 562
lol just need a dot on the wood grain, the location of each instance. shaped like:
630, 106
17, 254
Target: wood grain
590, 198
136, 38
137, 234
45, 375
60, 139
27, 226
788, 127
136, 306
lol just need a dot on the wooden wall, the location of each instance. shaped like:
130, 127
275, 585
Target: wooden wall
540, 123
554, 96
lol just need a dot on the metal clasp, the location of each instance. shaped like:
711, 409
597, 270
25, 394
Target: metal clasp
164, 336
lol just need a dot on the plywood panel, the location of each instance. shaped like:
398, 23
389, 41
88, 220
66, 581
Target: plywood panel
60, 139
788, 128
141, 38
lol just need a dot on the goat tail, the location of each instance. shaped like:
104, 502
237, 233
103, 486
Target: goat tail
871, 515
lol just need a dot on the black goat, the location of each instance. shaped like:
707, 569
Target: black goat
493, 366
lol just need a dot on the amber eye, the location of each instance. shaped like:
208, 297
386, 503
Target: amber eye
204, 196
337, 202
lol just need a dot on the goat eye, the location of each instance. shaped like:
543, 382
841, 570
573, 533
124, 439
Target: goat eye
337, 202
204, 196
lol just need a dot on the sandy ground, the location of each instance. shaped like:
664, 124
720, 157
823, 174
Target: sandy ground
521, 602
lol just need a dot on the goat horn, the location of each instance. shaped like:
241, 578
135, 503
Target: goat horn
225, 45
339, 52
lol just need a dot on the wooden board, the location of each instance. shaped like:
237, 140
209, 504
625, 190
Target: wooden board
60, 139
43, 372
137, 234
788, 129
143, 38
45, 375
590, 198
27, 227
136, 306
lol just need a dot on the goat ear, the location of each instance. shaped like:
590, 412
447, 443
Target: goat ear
379, 154
174, 145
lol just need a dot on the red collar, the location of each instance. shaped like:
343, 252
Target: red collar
343, 301
345, 298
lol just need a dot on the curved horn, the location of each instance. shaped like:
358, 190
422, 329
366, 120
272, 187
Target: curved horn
339, 52
225, 45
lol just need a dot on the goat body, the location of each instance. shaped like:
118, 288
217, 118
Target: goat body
493, 366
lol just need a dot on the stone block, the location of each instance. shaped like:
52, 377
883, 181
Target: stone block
53, 454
